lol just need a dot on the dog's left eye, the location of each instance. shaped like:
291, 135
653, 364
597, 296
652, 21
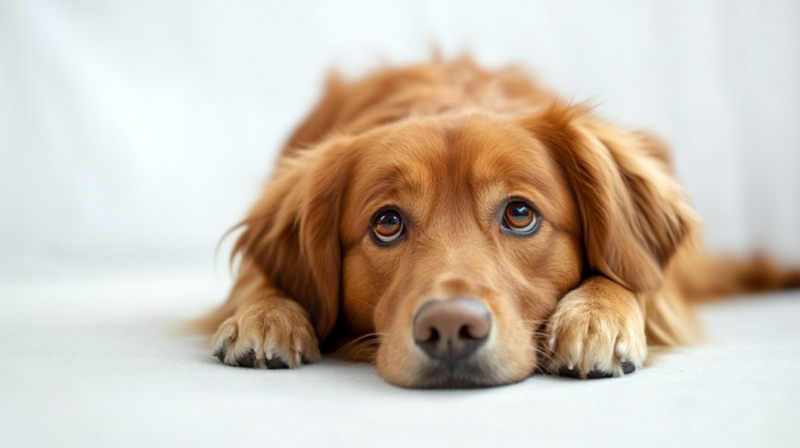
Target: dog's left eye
387, 226
520, 217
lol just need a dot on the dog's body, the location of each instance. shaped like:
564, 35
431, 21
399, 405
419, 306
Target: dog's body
478, 228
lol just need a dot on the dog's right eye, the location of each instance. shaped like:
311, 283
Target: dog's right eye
387, 226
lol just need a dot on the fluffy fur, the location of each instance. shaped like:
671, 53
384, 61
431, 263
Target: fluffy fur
612, 268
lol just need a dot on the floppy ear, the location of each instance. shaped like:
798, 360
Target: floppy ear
292, 233
633, 210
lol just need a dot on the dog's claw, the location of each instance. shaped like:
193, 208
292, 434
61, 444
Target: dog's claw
220, 353
628, 367
247, 360
275, 363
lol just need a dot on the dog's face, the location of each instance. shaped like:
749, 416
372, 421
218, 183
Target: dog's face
474, 210
454, 237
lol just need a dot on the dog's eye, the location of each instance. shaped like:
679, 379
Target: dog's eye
520, 217
387, 226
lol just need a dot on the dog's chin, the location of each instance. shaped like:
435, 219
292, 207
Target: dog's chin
469, 375
473, 373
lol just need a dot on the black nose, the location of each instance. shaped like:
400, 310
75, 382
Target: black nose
451, 329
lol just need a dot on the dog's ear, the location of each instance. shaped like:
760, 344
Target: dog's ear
292, 233
633, 210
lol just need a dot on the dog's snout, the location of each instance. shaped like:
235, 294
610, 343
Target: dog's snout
451, 329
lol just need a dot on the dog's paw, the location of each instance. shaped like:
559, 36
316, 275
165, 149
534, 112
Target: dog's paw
275, 335
586, 340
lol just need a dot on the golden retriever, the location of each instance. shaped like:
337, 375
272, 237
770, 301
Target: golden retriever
465, 228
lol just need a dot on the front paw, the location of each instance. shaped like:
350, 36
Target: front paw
587, 339
274, 334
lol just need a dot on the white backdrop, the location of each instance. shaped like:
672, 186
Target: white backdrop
133, 133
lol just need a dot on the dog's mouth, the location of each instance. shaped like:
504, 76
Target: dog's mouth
463, 374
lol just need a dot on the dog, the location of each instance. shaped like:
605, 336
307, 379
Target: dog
465, 228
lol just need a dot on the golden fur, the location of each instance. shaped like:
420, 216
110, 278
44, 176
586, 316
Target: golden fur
611, 269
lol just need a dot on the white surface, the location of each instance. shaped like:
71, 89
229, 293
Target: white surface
135, 133
117, 377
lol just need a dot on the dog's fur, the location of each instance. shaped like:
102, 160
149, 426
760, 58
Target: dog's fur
611, 269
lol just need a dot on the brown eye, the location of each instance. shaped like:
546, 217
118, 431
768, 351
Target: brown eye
387, 226
520, 217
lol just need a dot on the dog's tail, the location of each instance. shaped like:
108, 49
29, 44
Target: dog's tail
707, 277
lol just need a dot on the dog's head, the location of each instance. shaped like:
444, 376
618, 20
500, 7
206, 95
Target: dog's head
454, 237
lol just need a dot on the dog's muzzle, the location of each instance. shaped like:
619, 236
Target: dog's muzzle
451, 333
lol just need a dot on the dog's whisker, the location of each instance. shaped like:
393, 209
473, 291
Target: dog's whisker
541, 335
366, 345
544, 354
354, 341
366, 303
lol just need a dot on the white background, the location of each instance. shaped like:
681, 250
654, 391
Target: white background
134, 134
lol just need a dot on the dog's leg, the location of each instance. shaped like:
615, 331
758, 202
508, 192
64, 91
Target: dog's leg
266, 328
596, 331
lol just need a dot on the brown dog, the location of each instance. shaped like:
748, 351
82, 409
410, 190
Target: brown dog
476, 228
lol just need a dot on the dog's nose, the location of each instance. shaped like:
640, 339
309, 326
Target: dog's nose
451, 329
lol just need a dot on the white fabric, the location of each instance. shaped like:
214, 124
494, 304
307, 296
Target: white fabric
110, 375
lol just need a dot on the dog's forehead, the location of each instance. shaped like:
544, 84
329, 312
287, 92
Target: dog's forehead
478, 151
470, 155
501, 150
